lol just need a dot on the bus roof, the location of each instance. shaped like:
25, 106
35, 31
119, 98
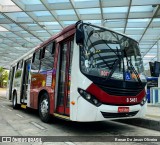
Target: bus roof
70, 27
66, 29
106, 28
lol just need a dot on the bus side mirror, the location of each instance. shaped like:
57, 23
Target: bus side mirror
79, 36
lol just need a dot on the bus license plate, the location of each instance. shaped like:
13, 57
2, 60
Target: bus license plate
123, 109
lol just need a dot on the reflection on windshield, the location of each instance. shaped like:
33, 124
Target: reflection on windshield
110, 55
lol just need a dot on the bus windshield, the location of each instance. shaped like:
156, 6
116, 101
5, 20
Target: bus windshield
110, 55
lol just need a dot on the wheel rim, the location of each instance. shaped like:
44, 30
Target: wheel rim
44, 107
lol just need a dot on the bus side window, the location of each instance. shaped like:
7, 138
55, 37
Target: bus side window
47, 58
19, 69
35, 62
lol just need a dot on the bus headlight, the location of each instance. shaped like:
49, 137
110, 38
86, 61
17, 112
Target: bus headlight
90, 98
143, 101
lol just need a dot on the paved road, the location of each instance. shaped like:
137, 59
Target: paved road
27, 123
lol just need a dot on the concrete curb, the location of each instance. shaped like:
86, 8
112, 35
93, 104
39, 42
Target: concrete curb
142, 122
153, 116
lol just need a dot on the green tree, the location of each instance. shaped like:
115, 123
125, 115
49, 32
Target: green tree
3, 77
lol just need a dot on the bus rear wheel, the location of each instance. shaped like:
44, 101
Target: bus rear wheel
44, 107
14, 101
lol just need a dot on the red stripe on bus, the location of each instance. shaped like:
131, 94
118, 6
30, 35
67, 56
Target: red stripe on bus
104, 97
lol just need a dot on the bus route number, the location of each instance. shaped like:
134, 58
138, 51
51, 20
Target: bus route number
104, 73
129, 100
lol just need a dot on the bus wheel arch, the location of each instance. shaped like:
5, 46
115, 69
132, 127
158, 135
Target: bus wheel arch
44, 106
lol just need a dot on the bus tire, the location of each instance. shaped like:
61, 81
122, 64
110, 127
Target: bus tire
44, 107
14, 101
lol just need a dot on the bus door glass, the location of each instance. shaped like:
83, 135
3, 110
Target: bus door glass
11, 76
63, 97
26, 80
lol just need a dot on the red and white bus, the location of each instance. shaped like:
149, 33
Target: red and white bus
85, 73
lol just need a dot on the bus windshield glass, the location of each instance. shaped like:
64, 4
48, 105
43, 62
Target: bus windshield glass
110, 55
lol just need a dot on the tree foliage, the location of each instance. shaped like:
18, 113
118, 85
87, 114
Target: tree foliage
3, 77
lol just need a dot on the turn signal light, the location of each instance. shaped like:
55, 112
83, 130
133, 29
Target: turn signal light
72, 102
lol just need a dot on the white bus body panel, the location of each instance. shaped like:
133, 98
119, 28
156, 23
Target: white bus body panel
80, 82
17, 87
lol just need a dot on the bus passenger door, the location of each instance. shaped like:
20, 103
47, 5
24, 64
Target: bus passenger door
26, 82
63, 95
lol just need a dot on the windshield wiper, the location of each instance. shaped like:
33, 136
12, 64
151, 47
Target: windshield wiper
134, 70
122, 57
119, 57
96, 50
131, 65
118, 61
114, 68
128, 61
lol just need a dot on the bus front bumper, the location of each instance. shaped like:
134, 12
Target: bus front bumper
87, 112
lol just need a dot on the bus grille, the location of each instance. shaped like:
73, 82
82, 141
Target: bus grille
120, 91
117, 115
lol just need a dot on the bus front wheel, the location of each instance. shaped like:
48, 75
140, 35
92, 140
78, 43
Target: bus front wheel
14, 101
44, 107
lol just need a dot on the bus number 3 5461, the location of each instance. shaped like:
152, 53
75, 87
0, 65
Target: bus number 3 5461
131, 100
